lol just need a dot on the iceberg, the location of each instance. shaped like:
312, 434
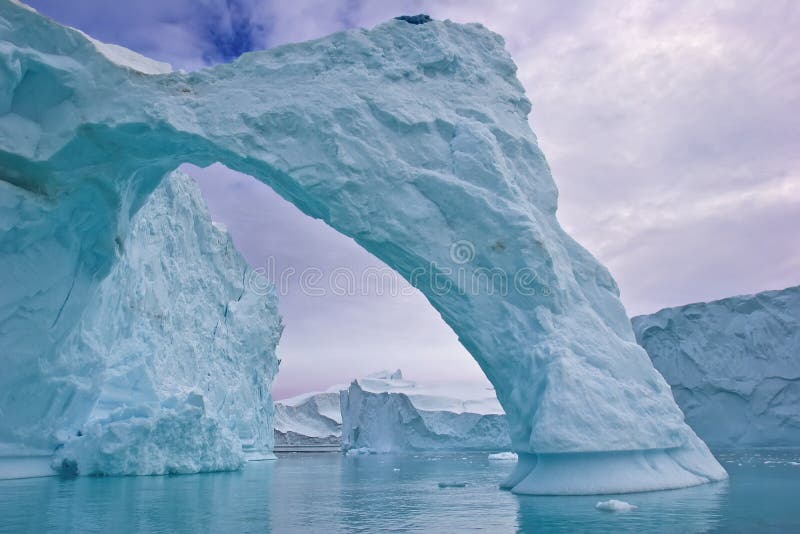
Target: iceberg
412, 139
386, 413
309, 421
443, 416
734, 366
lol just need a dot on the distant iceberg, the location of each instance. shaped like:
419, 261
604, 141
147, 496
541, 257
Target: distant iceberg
387, 413
733, 364
309, 421
456, 416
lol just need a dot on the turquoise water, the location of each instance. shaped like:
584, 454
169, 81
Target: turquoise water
334, 493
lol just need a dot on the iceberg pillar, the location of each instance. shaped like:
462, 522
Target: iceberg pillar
413, 140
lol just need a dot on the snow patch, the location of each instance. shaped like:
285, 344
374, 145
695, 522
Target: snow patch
130, 59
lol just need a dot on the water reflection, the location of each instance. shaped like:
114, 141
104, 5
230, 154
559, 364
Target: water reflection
696, 509
331, 493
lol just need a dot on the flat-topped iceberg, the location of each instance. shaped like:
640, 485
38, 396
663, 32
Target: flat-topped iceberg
386, 413
413, 139
733, 364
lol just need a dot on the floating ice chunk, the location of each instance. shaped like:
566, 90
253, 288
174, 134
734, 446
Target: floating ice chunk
452, 484
504, 456
359, 451
613, 505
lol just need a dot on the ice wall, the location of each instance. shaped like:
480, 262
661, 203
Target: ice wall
411, 139
733, 364
169, 369
390, 414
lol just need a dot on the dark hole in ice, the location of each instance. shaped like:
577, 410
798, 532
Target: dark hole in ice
68, 468
415, 19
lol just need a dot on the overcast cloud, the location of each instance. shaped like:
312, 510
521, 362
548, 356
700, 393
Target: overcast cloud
671, 129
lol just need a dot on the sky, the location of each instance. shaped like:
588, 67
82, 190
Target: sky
671, 128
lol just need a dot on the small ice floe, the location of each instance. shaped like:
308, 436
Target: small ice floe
396, 469
614, 505
504, 456
452, 484
772, 463
359, 451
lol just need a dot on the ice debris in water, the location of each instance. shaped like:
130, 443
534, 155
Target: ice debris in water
452, 484
359, 451
613, 505
504, 456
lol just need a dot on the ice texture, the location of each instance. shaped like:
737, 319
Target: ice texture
170, 367
734, 366
387, 413
411, 139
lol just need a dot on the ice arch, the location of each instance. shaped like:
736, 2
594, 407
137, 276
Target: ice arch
411, 139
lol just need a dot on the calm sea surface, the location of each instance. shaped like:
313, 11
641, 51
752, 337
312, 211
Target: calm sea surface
328, 493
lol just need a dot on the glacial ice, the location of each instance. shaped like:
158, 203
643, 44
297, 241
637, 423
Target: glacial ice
734, 366
411, 139
170, 367
386, 413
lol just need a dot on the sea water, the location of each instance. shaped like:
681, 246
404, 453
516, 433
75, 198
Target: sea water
330, 492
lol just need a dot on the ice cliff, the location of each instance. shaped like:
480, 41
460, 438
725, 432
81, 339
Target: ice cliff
733, 364
412, 139
389, 414
169, 369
